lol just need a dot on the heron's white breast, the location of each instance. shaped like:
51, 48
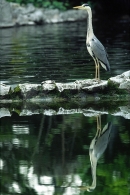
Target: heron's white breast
89, 48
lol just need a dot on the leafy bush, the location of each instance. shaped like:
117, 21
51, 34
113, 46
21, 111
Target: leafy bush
50, 4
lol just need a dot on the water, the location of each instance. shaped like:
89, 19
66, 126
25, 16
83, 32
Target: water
47, 155
58, 51
44, 155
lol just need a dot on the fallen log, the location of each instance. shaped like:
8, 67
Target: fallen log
33, 109
49, 90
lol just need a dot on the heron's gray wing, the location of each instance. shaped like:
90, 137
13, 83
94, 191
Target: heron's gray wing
102, 141
99, 52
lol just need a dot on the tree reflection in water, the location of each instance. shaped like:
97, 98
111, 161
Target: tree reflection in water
46, 154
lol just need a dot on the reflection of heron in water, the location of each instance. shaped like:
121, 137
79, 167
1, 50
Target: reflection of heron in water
97, 148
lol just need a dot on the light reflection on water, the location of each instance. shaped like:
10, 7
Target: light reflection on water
58, 51
50, 154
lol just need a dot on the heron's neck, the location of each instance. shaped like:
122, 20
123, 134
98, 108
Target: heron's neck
93, 161
89, 24
93, 168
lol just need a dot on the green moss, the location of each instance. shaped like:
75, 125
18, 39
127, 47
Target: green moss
113, 88
17, 89
16, 93
112, 85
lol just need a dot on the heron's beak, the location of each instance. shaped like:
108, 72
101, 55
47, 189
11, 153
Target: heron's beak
78, 7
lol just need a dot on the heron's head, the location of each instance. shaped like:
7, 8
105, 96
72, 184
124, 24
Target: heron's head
87, 188
90, 189
84, 6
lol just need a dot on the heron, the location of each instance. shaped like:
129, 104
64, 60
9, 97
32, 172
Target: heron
94, 46
97, 147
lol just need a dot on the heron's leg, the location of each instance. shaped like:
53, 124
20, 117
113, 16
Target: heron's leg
96, 67
100, 122
98, 125
97, 133
98, 71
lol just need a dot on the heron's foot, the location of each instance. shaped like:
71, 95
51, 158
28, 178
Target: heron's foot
98, 80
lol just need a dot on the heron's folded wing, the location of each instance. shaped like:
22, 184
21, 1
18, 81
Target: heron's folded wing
99, 50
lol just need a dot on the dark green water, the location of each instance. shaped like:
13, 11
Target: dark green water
49, 155
58, 51
43, 155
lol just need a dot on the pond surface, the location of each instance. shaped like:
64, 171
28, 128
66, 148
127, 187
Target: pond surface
53, 155
58, 51
43, 155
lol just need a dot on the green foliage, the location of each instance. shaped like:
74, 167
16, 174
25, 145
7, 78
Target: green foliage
45, 3
17, 89
113, 88
16, 93
55, 4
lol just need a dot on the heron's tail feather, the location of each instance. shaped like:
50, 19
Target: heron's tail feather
105, 66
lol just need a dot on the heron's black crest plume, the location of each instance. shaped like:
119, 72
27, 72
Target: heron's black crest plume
85, 5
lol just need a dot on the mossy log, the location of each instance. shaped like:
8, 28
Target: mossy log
88, 97
81, 89
89, 109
